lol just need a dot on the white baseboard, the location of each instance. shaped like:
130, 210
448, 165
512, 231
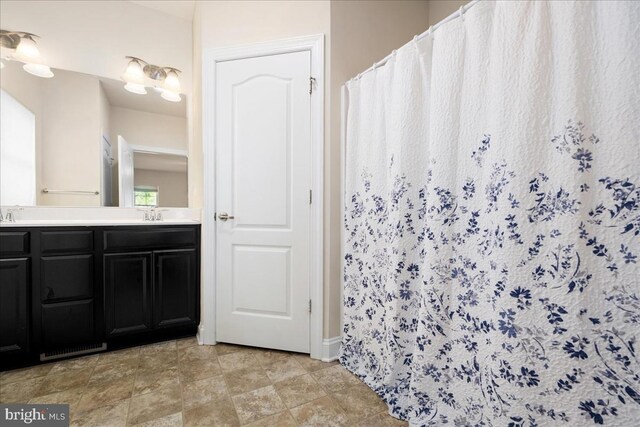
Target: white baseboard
331, 349
202, 337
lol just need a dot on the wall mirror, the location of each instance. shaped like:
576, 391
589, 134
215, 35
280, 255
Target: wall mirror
83, 140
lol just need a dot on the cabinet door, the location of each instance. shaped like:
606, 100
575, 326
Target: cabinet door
127, 281
175, 288
67, 323
14, 306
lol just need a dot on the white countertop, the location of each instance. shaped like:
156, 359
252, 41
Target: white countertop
94, 222
90, 216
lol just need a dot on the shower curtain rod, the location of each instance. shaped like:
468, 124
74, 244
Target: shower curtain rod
454, 15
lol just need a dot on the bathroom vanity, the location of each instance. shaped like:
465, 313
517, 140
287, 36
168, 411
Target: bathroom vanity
69, 289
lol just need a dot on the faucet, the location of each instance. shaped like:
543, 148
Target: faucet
157, 215
146, 214
152, 214
10, 215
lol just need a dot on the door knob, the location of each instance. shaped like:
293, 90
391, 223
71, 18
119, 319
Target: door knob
223, 216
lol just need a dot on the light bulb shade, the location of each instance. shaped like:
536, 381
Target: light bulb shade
171, 96
135, 88
134, 73
171, 82
27, 51
38, 70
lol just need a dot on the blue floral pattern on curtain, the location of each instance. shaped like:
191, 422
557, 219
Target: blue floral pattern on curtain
492, 220
464, 316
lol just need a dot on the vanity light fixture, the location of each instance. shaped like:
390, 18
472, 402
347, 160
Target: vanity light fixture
22, 47
163, 79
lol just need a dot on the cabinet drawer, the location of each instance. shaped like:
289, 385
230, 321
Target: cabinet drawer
118, 240
14, 242
67, 323
65, 277
66, 241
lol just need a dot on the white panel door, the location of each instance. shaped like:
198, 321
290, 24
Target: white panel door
263, 179
125, 174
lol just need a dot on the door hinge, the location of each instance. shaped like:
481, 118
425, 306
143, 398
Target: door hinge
312, 81
309, 306
310, 196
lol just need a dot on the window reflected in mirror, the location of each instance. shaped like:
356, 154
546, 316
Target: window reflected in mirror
145, 197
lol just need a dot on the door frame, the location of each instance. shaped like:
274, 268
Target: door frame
210, 57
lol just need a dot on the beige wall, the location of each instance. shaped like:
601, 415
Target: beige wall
229, 23
148, 129
195, 162
194, 113
440, 9
71, 138
171, 186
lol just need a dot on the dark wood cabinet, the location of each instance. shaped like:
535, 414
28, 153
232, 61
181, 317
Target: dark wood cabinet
67, 290
175, 288
15, 286
68, 311
128, 293
151, 290
155, 290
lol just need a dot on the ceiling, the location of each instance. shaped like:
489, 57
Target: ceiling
182, 9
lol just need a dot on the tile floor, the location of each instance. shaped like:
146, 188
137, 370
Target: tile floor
176, 383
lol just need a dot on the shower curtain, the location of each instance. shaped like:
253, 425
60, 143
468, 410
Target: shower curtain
492, 219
